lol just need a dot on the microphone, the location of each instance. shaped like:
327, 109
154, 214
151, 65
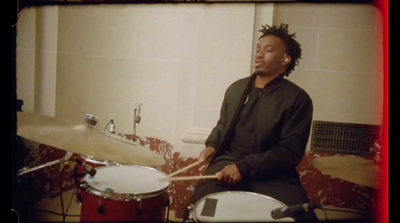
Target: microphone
294, 210
87, 168
112, 126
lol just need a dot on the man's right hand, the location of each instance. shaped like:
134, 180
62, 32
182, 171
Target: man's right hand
206, 154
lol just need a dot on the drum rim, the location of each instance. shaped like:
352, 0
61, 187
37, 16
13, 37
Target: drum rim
227, 192
123, 196
94, 160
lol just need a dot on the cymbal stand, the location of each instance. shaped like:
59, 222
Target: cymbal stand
25, 170
136, 119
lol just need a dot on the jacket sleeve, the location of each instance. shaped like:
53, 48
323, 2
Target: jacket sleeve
284, 155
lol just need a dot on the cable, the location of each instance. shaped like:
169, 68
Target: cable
325, 214
57, 213
342, 210
70, 201
107, 125
16, 213
16, 22
61, 193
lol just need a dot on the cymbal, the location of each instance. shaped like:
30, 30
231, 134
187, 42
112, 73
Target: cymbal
351, 168
84, 140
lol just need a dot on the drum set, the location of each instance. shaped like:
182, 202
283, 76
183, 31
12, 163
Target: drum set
116, 178
117, 181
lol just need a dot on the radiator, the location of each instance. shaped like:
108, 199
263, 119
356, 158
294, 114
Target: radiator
338, 137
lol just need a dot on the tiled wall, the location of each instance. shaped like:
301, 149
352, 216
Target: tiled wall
342, 65
178, 59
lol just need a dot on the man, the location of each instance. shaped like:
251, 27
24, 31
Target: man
263, 128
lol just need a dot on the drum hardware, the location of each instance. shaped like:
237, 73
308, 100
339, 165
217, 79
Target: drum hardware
293, 210
96, 162
167, 203
100, 208
78, 197
77, 176
81, 186
139, 210
136, 119
91, 119
190, 211
25, 170
112, 126
86, 168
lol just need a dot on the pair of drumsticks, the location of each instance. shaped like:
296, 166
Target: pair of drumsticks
171, 177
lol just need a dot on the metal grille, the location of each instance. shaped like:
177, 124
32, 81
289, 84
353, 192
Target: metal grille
340, 137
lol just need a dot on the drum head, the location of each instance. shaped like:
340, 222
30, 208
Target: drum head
126, 182
236, 206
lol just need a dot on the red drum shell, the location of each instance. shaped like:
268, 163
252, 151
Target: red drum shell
126, 193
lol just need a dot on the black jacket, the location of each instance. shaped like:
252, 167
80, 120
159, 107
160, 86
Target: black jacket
282, 131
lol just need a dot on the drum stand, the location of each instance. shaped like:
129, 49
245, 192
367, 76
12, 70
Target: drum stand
25, 170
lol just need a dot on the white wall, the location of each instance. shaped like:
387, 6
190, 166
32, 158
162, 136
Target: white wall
342, 66
175, 59
178, 59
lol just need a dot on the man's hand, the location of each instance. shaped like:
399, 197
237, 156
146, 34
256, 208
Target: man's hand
229, 174
206, 154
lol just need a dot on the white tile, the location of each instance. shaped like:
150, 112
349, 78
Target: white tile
349, 50
73, 75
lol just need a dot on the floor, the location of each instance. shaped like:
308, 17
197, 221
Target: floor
49, 210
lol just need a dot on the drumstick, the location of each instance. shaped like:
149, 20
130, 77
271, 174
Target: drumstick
189, 178
185, 168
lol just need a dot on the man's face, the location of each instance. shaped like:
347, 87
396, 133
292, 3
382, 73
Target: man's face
270, 55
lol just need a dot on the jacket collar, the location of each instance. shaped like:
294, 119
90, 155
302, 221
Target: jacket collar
273, 84
276, 81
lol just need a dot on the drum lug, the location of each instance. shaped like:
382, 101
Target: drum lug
79, 197
167, 202
190, 211
139, 211
83, 185
100, 208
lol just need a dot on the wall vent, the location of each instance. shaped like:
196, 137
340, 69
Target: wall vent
337, 137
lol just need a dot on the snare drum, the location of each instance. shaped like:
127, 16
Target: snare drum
236, 206
125, 193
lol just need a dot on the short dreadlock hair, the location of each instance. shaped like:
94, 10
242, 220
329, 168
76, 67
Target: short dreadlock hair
293, 47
